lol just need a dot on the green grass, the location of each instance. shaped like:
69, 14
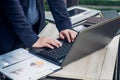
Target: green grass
101, 2
95, 3
46, 6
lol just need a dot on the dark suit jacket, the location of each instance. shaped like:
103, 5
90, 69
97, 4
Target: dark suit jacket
13, 22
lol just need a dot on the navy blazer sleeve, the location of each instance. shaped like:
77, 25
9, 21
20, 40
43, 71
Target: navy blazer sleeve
14, 13
60, 14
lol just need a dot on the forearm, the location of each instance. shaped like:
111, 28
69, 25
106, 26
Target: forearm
14, 13
60, 14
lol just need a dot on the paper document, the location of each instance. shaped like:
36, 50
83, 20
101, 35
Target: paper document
22, 65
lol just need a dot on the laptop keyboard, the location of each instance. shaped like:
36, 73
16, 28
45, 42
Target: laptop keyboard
58, 53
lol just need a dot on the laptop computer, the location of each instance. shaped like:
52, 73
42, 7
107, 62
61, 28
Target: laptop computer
31, 65
109, 13
77, 14
87, 41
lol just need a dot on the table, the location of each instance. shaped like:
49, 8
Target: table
97, 66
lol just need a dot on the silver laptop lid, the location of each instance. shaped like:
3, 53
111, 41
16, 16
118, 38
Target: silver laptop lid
92, 39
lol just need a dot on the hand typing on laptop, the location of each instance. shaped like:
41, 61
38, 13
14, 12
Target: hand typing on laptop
69, 34
51, 43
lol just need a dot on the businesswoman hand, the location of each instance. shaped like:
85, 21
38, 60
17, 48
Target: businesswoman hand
47, 42
69, 34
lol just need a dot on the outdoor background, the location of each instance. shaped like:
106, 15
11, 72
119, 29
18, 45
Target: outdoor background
97, 4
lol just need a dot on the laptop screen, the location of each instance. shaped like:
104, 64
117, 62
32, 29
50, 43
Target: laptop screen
75, 11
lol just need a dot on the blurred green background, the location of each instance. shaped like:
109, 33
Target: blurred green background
97, 4
101, 2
